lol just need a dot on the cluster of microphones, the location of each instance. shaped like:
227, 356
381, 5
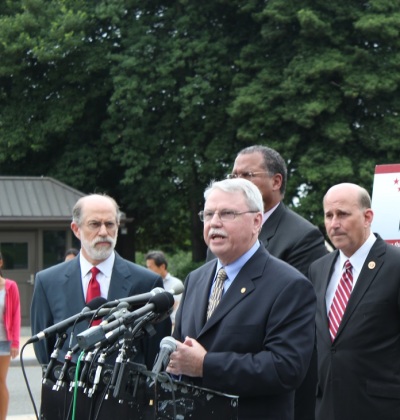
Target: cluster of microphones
119, 326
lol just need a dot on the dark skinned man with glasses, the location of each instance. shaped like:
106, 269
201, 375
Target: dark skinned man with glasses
285, 234
245, 324
61, 291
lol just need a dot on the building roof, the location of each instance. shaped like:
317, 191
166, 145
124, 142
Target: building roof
36, 198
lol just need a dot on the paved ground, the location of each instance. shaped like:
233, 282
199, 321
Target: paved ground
22, 417
20, 406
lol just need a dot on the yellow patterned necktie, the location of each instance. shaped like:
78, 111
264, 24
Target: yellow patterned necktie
217, 292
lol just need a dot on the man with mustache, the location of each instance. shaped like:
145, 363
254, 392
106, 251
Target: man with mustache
285, 234
63, 290
256, 340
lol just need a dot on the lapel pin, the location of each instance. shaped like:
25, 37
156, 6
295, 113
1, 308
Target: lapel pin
243, 290
371, 265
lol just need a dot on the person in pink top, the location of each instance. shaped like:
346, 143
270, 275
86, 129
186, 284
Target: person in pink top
10, 325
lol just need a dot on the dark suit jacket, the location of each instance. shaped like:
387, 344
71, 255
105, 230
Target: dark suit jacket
359, 373
58, 295
291, 238
260, 337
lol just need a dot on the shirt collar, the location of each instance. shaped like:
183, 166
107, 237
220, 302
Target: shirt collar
357, 260
269, 212
105, 266
232, 270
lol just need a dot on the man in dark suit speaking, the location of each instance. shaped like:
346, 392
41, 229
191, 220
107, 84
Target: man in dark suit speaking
245, 324
358, 314
63, 290
285, 234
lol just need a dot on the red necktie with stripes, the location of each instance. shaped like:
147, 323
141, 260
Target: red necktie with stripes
340, 299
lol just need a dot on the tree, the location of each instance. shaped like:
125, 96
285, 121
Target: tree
149, 101
325, 78
172, 83
54, 91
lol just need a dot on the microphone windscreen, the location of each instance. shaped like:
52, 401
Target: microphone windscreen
96, 303
162, 302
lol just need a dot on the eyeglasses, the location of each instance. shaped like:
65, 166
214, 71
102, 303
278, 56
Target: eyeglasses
224, 215
96, 226
245, 175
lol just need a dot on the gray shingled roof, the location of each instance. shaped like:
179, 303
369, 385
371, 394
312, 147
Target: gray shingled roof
36, 198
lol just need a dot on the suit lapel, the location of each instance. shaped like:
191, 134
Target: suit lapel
72, 286
367, 275
118, 285
268, 229
201, 295
241, 287
324, 278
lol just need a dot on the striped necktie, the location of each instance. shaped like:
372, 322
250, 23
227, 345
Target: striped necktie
340, 299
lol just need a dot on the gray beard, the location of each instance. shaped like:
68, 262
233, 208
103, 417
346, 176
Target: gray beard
98, 254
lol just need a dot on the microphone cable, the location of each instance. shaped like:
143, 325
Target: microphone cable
163, 377
95, 314
111, 348
98, 307
26, 381
101, 400
74, 399
75, 393
95, 304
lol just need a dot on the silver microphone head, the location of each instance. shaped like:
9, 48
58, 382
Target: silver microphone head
157, 290
177, 290
168, 342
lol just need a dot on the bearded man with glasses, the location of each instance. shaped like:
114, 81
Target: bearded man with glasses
61, 291
245, 324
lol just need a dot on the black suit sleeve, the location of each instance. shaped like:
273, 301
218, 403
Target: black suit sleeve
307, 250
151, 344
41, 318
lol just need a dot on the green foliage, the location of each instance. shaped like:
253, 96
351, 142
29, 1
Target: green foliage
149, 101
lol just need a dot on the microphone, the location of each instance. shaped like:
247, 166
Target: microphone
136, 299
167, 346
87, 312
159, 303
177, 289
63, 373
94, 304
96, 381
121, 358
85, 370
120, 310
54, 355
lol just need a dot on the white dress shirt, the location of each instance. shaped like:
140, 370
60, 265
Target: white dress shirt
103, 277
357, 261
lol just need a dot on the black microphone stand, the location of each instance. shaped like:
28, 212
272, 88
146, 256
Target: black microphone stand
63, 374
61, 338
